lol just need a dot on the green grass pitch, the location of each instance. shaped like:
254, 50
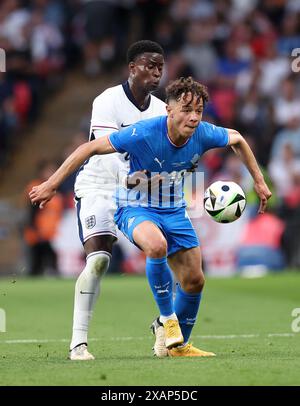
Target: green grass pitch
246, 322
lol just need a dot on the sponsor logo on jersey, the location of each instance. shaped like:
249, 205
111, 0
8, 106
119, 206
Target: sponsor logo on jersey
134, 132
163, 291
163, 288
130, 221
90, 221
177, 164
160, 163
195, 159
125, 125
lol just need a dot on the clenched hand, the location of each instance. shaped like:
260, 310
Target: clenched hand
41, 194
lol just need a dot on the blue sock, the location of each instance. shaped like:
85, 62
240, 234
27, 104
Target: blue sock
160, 280
186, 309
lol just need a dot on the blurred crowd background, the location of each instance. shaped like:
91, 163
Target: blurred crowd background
245, 51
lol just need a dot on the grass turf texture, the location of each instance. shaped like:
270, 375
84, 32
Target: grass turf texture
41, 309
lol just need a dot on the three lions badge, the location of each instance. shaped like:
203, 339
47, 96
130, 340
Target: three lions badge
90, 222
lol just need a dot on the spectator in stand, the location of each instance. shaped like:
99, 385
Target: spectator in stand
198, 52
53, 11
284, 171
289, 134
31, 34
8, 118
254, 114
292, 199
46, 44
290, 36
274, 68
234, 170
100, 42
14, 18
261, 244
287, 105
166, 34
230, 65
264, 33
240, 49
42, 226
224, 95
176, 67
291, 214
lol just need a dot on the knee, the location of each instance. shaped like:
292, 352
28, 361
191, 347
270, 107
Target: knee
157, 249
194, 283
98, 263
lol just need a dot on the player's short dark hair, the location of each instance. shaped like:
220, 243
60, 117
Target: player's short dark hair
140, 47
186, 85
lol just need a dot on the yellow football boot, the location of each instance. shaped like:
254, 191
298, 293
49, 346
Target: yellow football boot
173, 335
188, 350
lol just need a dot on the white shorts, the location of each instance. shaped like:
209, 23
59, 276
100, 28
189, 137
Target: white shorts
95, 216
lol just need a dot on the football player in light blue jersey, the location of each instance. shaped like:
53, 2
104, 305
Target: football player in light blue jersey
151, 148
160, 226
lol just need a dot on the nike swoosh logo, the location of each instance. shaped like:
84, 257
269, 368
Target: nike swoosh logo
125, 125
87, 293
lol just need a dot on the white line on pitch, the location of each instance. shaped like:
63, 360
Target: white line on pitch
207, 337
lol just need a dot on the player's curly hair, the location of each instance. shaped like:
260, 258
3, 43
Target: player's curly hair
140, 47
184, 86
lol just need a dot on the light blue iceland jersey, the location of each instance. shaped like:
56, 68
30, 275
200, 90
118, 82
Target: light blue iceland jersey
151, 149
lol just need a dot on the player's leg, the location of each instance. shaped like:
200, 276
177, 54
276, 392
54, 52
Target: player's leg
184, 258
98, 251
151, 240
97, 244
187, 266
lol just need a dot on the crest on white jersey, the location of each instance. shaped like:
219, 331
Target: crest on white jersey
90, 221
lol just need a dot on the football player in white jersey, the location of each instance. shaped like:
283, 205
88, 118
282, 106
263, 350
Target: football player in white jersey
117, 107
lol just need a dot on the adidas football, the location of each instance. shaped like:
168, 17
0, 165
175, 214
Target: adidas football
224, 201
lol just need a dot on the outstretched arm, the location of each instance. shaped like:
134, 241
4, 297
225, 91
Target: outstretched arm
44, 192
242, 149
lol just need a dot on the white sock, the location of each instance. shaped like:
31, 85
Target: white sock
87, 290
163, 319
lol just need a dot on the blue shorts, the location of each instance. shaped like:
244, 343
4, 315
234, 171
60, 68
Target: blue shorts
174, 223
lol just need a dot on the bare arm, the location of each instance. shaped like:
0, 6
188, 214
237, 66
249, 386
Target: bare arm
45, 191
244, 152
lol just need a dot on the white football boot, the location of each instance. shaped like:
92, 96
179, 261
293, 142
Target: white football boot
80, 353
159, 348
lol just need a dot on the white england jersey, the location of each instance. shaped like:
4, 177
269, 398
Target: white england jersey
113, 110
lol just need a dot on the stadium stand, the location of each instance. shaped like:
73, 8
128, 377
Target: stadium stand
243, 52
